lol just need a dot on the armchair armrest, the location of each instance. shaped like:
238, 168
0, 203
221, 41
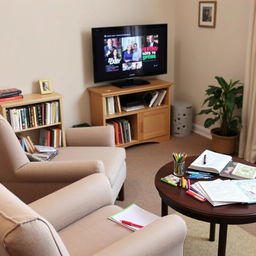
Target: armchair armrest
74, 201
162, 237
58, 171
90, 136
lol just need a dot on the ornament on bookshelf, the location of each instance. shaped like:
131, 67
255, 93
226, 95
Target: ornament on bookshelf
45, 86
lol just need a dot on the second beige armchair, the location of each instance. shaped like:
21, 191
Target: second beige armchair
89, 150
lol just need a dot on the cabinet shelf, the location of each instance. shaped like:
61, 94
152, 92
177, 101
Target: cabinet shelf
35, 107
150, 124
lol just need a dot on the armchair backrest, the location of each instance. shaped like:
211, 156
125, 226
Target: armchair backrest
12, 155
23, 232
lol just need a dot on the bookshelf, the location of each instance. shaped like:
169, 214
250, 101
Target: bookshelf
34, 113
148, 124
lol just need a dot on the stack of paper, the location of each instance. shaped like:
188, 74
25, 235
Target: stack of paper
134, 214
222, 192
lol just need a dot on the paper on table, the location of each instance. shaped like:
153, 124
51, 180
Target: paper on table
134, 214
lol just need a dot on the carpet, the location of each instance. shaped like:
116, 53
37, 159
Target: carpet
143, 161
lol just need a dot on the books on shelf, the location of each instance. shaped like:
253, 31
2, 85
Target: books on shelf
221, 192
50, 137
30, 116
122, 129
134, 217
210, 161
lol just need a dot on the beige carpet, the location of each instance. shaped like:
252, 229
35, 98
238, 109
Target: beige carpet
143, 161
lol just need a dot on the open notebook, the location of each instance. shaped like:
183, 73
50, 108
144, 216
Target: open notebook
135, 215
210, 161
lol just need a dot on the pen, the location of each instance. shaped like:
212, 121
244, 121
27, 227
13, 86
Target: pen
131, 224
204, 159
199, 177
169, 182
201, 173
195, 195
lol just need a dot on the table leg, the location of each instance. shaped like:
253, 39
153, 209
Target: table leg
212, 231
222, 239
164, 208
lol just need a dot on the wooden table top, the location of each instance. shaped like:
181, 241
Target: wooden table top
176, 198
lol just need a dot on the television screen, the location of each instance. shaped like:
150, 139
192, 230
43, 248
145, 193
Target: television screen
129, 51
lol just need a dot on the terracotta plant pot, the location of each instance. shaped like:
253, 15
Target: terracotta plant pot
223, 144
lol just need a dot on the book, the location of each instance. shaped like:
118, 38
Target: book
161, 97
9, 92
154, 97
110, 104
18, 97
135, 214
229, 191
44, 149
210, 161
132, 108
235, 170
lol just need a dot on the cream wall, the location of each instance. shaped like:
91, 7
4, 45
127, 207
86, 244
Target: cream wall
50, 39
202, 53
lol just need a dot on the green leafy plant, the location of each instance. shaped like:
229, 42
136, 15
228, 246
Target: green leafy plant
222, 101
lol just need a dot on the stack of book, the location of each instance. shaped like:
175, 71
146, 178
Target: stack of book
122, 130
46, 113
37, 152
10, 94
222, 192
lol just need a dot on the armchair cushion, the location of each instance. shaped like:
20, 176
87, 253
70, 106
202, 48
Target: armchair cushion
90, 136
113, 158
24, 232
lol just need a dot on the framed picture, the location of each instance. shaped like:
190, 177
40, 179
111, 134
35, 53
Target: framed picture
45, 86
207, 14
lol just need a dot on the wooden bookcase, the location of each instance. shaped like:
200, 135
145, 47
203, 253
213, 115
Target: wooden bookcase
150, 124
33, 100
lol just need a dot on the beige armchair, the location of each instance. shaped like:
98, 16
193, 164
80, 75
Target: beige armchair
89, 150
72, 222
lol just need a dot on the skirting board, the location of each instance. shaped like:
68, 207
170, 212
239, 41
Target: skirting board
201, 130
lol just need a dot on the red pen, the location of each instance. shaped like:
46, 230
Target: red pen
131, 224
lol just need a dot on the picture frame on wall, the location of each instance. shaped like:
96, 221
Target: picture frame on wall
45, 86
207, 14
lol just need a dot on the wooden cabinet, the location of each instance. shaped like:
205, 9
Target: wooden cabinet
149, 124
33, 113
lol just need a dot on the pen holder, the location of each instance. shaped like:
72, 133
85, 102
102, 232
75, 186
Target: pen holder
178, 168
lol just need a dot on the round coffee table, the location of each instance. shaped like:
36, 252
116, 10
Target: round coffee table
176, 198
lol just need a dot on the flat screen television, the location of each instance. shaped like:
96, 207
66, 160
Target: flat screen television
127, 52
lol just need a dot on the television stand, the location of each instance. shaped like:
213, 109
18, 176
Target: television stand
130, 82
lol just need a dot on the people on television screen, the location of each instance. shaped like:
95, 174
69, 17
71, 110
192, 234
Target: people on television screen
136, 56
108, 48
114, 57
127, 55
151, 41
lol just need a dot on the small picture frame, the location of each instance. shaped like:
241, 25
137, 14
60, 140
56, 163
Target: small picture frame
207, 14
45, 86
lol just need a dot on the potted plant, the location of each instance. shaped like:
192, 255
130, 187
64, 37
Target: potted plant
222, 103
